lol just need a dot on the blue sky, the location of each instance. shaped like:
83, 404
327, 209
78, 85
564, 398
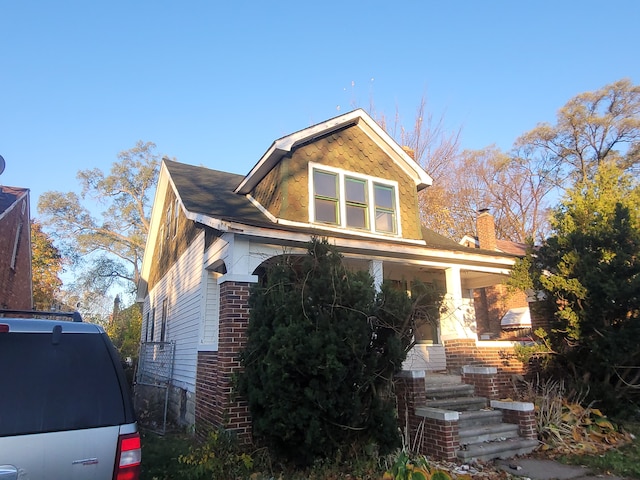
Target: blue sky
215, 83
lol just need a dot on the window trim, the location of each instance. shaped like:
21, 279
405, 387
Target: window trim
370, 183
16, 245
163, 323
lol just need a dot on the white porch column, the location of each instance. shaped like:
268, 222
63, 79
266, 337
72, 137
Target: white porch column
376, 271
237, 258
458, 320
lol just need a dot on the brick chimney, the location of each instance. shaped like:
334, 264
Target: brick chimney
486, 230
409, 151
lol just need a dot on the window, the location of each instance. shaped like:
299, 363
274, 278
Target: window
353, 201
385, 209
58, 386
176, 211
146, 329
16, 243
153, 323
163, 325
168, 221
355, 194
326, 197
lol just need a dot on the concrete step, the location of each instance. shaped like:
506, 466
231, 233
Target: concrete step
486, 451
458, 404
449, 390
477, 418
487, 433
435, 379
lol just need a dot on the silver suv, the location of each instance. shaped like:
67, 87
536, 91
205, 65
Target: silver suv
65, 408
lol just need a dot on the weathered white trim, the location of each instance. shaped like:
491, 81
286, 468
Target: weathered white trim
259, 206
359, 117
471, 370
231, 277
495, 343
438, 414
411, 374
517, 406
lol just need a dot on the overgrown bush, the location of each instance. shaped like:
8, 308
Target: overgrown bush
218, 457
588, 276
321, 354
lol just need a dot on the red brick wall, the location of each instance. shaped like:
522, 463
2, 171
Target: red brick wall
410, 394
466, 352
441, 439
217, 402
526, 422
15, 284
491, 303
484, 385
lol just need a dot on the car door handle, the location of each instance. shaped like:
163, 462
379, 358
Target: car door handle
8, 472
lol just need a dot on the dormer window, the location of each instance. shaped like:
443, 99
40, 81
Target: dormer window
353, 201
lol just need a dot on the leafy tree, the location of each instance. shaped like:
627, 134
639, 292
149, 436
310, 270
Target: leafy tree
518, 185
106, 249
46, 267
591, 128
589, 273
321, 354
436, 149
123, 329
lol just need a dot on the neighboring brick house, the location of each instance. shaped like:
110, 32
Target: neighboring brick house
498, 309
15, 249
212, 232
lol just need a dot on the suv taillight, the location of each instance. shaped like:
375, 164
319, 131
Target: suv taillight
128, 457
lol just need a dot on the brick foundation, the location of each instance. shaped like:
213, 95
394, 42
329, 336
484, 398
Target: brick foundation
410, 393
520, 413
469, 352
440, 439
433, 431
218, 405
484, 380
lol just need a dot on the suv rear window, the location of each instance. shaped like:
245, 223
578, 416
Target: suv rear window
51, 385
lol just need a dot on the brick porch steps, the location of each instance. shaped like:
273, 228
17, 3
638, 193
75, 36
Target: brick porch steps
458, 403
482, 433
476, 418
434, 392
498, 449
487, 433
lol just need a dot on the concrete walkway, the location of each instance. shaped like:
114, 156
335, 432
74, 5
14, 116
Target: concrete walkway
540, 469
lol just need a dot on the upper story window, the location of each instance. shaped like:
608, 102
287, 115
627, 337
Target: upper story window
354, 201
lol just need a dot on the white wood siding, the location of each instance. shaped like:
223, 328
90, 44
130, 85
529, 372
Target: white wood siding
426, 357
181, 286
210, 312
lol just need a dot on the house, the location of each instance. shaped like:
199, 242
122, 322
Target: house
500, 312
15, 249
212, 232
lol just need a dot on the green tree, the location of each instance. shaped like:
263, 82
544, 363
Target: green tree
46, 267
123, 329
593, 127
589, 273
321, 354
106, 249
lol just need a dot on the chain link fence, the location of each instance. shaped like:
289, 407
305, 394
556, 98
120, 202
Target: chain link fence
153, 383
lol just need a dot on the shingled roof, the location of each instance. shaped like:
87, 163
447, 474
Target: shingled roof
210, 193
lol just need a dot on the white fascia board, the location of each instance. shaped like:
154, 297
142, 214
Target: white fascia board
469, 239
283, 146
154, 226
408, 251
212, 222
408, 164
